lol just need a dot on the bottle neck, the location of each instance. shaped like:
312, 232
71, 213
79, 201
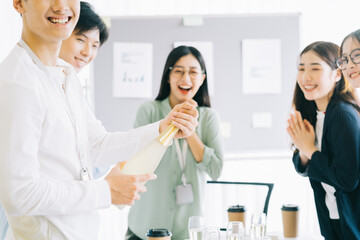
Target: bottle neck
167, 136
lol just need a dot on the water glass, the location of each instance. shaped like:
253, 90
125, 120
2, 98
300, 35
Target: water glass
196, 227
258, 225
235, 231
211, 233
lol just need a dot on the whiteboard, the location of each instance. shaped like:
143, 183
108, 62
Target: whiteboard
226, 33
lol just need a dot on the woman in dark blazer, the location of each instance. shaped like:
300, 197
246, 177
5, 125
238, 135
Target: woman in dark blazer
325, 129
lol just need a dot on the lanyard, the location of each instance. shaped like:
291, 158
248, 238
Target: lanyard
84, 173
181, 157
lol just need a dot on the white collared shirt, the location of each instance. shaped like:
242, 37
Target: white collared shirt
42, 152
357, 92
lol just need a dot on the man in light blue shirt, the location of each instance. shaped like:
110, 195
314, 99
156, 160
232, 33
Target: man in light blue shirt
3, 224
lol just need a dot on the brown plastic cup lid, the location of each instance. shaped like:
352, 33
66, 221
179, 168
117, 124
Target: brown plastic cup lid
290, 207
158, 233
236, 208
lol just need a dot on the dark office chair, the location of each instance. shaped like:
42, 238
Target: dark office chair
223, 187
270, 187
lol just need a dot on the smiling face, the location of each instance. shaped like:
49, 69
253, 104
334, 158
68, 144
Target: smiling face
80, 48
316, 79
47, 21
185, 79
352, 71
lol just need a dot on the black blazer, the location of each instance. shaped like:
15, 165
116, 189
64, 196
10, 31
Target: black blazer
338, 164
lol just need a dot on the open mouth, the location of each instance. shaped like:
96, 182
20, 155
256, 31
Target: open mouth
355, 74
80, 60
59, 20
185, 88
309, 87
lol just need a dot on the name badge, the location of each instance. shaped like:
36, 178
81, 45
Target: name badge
184, 194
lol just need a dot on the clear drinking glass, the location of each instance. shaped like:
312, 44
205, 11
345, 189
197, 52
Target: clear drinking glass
211, 233
196, 227
235, 231
258, 225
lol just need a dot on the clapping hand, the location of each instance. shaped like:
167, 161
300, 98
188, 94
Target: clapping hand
303, 135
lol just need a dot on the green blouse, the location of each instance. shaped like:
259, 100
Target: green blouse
157, 207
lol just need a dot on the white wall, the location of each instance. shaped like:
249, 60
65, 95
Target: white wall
329, 20
10, 25
289, 187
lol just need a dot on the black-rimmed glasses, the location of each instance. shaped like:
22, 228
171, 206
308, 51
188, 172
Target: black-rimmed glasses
178, 72
343, 61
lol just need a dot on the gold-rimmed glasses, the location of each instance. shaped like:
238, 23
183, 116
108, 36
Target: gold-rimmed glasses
178, 72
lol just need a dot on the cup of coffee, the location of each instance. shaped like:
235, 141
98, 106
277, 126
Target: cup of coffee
237, 213
290, 217
158, 234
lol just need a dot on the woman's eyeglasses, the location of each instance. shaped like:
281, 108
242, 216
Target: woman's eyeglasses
178, 72
343, 61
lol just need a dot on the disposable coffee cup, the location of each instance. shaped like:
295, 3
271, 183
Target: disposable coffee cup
237, 213
290, 217
158, 234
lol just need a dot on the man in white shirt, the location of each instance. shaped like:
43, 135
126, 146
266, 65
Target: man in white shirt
48, 135
79, 50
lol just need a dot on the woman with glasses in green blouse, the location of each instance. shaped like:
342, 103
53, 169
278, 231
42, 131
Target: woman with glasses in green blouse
178, 192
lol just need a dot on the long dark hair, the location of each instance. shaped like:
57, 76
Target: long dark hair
343, 91
202, 96
354, 35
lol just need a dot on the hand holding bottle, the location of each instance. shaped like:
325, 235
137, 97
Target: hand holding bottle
124, 188
183, 116
147, 159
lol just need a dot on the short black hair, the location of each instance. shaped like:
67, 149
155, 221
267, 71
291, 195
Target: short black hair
90, 20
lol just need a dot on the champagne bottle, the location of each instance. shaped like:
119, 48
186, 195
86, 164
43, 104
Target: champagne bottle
147, 159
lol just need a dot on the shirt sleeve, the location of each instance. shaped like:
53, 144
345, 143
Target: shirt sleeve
4, 225
23, 189
340, 165
110, 148
300, 169
212, 162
